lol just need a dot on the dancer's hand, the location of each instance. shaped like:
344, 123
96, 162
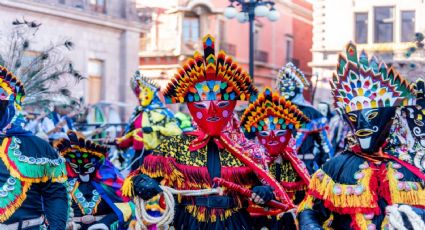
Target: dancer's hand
261, 194
146, 187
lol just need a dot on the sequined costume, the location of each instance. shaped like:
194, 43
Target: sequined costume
352, 190
150, 123
273, 120
210, 84
31, 172
93, 186
291, 84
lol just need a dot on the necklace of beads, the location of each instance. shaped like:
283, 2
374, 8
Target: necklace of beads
86, 207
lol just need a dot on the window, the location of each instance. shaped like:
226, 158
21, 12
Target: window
143, 41
98, 6
191, 30
384, 24
360, 27
95, 73
289, 48
407, 26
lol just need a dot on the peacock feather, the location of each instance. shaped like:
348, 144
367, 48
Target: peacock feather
44, 73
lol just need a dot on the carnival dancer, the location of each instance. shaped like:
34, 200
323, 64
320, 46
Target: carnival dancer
93, 186
210, 85
352, 190
31, 172
150, 123
273, 120
408, 132
291, 84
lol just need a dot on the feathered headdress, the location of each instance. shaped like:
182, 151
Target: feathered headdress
76, 148
271, 111
11, 86
138, 81
209, 77
290, 74
361, 83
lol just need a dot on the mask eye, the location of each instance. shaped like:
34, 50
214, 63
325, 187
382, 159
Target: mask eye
372, 115
200, 105
73, 165
264, 133
352, 118
90, 170
223, 104
418, 122
280, 133
88, 165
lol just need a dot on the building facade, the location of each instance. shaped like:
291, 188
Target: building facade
106, 37
384, 28
178, 26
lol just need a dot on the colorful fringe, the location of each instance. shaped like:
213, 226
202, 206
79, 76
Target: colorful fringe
211, 215
33, 173
403, 192
13, 200
322, 187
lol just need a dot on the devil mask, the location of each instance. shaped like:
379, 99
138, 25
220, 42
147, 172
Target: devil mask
82, 156
212, 116
210, 85
274, 140
371, 126
272, 118
367, 94
145, 89
291, 82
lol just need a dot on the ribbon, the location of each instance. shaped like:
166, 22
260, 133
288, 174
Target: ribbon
202, 140
224, 142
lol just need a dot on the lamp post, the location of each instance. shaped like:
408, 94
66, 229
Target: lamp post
249, 10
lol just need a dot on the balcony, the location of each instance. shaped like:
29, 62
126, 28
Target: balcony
230, 49
261, 56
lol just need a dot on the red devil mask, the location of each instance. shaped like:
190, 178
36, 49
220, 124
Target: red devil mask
275, 141
212, 116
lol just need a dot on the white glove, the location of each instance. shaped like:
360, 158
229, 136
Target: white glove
98, 227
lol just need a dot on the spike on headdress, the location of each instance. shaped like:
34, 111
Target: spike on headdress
11, 86
76, 143
138, 81
271, 111
362, 84
209, 77
291, 73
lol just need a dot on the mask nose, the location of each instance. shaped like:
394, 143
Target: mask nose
212, 109
362, 122
272, 135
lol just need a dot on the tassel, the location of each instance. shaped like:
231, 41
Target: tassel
322, 187
401, 196
127, 187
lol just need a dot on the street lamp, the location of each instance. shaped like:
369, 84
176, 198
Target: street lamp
249, 10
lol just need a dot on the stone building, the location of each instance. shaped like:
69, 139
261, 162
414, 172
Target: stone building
178, 26
106, 37
384, 28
